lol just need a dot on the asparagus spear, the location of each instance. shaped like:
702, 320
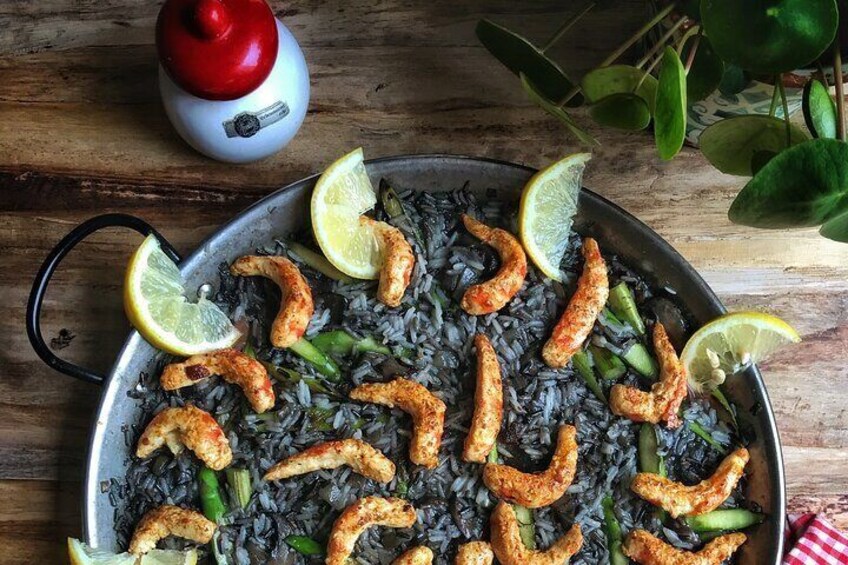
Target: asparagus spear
623, 304
210, 495
699, 431
305, 545
724, 520
322, 363
613, 531
339, 342
526, 525
583, 365
637, 356
318, 262
608, 364
239, 481
650, 461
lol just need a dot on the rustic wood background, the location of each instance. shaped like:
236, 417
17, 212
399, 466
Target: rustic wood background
82, 132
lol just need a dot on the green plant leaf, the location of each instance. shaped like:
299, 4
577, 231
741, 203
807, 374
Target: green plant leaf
617, 79
836, 228
539, 99
624, 110
520, 56
670, 112
819, 110
770, 36
733, 81
804, 185
706, 71
731, 144
760, 159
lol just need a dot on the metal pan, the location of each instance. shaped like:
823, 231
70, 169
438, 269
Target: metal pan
287, 210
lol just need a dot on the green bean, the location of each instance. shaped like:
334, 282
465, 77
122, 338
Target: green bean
305, 545
613, 532
318, 262
583, 365
210, 495
339, 342
623, 304
650, 461
239, 481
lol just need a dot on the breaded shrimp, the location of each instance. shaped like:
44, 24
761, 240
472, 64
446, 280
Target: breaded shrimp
416, 556
535, 490
646, 549
510, 549
233, 366
397, 266
190, 427
488, 404
355, 453
706, 496
492, 295
427, 411
475, 553
168, 520
296, 306
666, 396
578, 319
361, 515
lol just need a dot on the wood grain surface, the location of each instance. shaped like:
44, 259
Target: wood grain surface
82, 132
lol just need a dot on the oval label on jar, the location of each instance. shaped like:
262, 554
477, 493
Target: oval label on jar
247, 124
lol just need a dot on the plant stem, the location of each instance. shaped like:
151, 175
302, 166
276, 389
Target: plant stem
785, 109
661, 43
822, 73
569, 23
840, 89
775, 96
690, 59
623, 47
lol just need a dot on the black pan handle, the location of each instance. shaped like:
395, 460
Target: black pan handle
54, 258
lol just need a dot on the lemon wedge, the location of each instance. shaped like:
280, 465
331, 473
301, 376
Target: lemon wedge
169, 557
730, 343
548, 205
81, 554
156, 304
341, 195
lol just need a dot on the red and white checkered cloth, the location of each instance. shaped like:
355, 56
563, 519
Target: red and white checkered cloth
812, 540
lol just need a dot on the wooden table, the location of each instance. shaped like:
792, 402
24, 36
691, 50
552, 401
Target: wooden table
82, 132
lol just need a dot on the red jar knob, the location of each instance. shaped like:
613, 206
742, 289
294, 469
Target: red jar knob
212, 18
217, 49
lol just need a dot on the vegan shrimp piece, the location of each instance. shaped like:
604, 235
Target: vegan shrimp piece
576, 323
361, 515
296, 306
399, 261
475, 553
416, 556
706, 496
535, 490
427, 411
488, 404
645, 549
233, 366
510, 549
666, 396
492, 295
168, 520
189, 427
354, 453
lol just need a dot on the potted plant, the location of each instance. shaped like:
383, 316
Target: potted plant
695, 48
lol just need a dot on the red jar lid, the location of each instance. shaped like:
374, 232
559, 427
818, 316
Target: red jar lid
217, 49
